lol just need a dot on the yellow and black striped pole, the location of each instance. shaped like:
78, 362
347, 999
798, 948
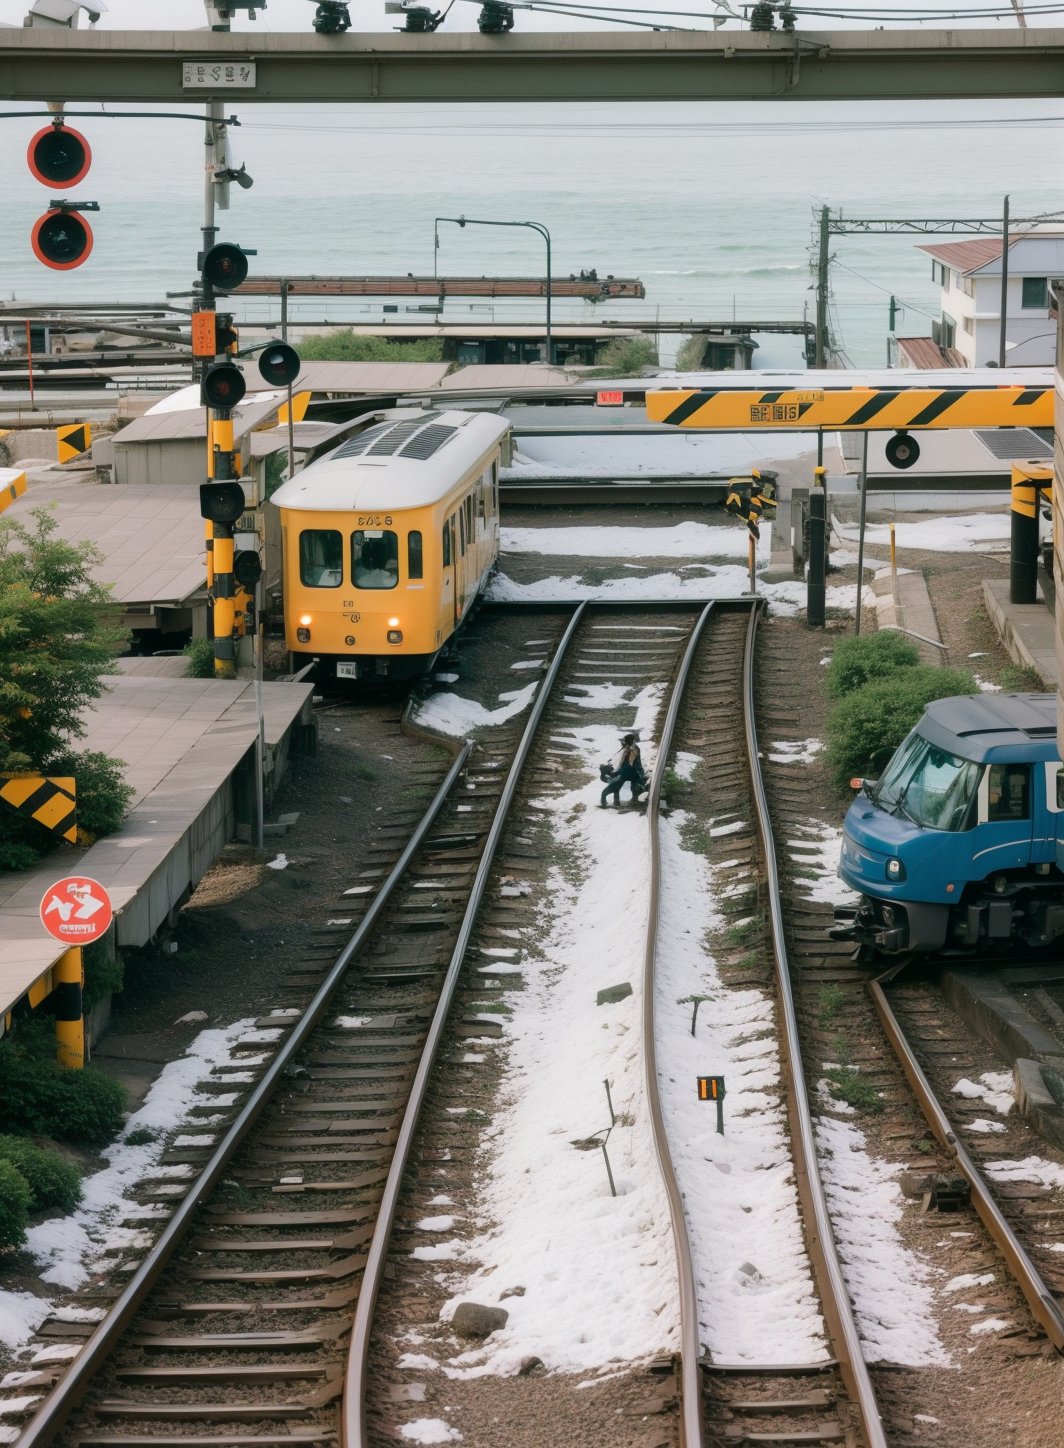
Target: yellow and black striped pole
222, 555
68, 998
1028, 481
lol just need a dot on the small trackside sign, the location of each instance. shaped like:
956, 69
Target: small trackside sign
217, 75
609, 399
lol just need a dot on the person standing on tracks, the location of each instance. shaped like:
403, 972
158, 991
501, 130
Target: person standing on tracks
627, 769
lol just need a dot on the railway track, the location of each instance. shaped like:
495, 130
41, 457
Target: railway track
252, 1319
901, 1090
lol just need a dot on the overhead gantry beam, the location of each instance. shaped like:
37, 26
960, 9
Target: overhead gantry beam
169, 67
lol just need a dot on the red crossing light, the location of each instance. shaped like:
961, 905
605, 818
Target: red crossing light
61, 239
59, 156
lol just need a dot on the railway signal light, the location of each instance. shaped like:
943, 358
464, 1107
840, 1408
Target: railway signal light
279, 364
222, 502
247, 568
62, 239
223, 385
224, 267
212, 335
59, 156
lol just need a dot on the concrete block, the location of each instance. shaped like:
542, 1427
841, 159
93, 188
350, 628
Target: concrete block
986, 1003
613, 993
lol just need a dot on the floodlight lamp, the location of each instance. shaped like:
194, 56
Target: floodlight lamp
62, 13
240, 176
331, 17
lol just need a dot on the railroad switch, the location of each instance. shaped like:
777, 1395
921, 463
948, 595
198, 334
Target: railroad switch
948, 1194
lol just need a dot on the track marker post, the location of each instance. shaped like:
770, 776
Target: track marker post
711, 1088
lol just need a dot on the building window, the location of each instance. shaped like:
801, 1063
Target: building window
949, 330
1035, 292
966, 323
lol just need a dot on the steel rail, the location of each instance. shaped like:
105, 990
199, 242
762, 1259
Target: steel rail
354, 1428
835, 1299
692, 1429
53, 1413
1045, 1310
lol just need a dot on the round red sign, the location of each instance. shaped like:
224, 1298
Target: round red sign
76, 911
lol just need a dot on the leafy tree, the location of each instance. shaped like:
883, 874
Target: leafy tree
626, 357
57, 641
347, 346
691, 353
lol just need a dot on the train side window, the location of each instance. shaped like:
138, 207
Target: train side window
1060, 789
414, 564
1010, 792
461, 530
482, 495
447, 544
375, 559
321, 558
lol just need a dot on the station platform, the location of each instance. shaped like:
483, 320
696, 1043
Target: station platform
188, 750
1028, 630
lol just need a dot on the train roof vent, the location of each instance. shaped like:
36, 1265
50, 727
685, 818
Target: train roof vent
383, 437
428, 441
1006, 443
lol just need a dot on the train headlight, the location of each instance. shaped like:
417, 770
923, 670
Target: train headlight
895, 870
395, 636
1001, 884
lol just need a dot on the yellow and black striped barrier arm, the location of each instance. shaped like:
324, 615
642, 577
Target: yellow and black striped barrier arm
10, 487
72, 440
51, 800
852, 408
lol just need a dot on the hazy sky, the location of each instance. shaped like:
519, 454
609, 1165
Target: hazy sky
368, 15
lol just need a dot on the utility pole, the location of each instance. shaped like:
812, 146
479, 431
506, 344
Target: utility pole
822, 292
1004, 281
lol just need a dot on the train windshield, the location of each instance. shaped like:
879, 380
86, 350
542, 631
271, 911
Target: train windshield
375, 558
321, 558
930, 786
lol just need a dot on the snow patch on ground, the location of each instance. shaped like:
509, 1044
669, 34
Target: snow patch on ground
453, 715
68, 1248
994, 1087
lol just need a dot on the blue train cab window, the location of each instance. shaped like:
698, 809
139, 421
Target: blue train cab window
1009, 793
321, 558
415, 567
375, 558
930, 786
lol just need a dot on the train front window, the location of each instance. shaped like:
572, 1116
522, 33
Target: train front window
321, 558
930, 786
375, 558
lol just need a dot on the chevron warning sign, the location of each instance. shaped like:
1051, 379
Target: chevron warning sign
48, 799
858, 408
12, 486
73, 440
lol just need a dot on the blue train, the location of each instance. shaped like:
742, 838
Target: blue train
959, 845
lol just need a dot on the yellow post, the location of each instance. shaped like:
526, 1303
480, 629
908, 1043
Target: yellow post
69, 1016
224, 603
893, 564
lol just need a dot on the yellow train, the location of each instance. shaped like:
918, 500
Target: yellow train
387, 541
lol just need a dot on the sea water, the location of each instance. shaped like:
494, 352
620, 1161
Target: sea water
713, 206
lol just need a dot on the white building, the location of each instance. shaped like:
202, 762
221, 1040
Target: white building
969, 332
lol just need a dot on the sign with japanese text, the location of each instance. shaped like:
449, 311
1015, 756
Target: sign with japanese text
217, 75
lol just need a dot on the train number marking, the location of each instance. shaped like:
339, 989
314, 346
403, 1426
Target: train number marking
374, 520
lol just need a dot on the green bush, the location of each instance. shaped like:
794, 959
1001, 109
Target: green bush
103, 793
38, 1097
104, 974
14, 1205
626, 357
859, 661
866, 727
52, 1181
346, 346
200, 655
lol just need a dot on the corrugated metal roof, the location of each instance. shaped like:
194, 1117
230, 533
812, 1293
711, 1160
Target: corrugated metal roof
150, 535
520, 374
191, 422
356, 377
923, 353
1033, 253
